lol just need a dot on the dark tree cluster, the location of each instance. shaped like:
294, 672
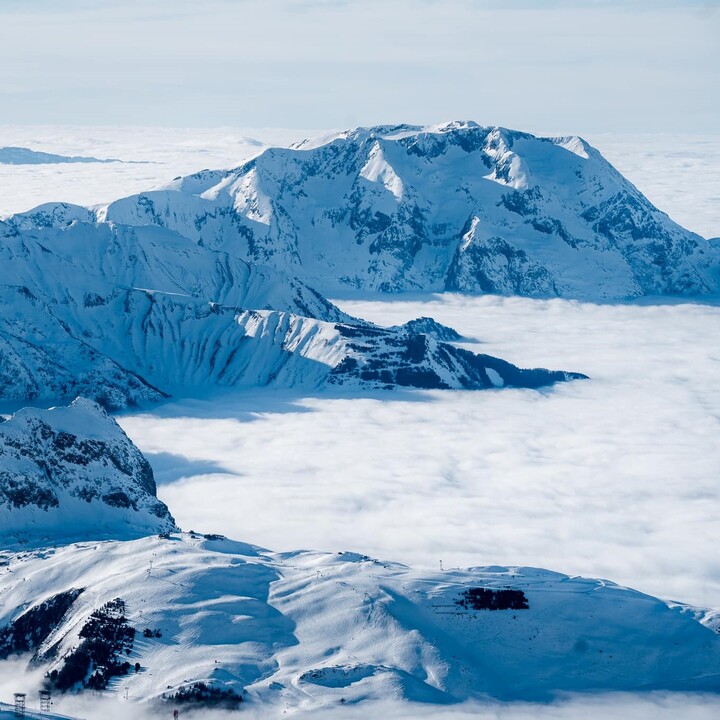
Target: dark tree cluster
106, 639
202, 695
30, 630
486, 599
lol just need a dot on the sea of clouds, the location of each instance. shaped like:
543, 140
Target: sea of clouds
614, 477
15, 677
150, 157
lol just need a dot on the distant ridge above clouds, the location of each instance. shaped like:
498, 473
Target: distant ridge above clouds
677, 172
26, 156
130, 315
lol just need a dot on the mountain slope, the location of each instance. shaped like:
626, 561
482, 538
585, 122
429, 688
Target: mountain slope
129, 315
451, 207
72, 472
311, 629
55, 253
136, 347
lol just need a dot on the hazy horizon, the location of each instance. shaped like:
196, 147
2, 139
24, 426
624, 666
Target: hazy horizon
566, 67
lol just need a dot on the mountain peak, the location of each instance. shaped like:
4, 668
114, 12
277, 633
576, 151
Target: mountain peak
71, 473
385, 208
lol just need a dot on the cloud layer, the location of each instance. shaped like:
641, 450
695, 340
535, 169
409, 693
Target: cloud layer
614, 477
14, 677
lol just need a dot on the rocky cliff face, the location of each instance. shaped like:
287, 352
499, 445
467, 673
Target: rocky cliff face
71, 472
298, 350
452, 207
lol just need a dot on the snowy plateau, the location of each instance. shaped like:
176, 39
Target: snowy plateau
304, 352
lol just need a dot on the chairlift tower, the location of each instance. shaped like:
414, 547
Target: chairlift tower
45, 701
20, 704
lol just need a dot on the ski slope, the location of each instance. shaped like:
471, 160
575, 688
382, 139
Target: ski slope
306, 630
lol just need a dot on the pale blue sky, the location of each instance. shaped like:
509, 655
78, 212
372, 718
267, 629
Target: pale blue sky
584, 66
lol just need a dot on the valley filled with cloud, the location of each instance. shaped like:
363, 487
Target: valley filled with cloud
612, 477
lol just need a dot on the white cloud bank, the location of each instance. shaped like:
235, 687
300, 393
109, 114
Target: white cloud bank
14, 677
614, 477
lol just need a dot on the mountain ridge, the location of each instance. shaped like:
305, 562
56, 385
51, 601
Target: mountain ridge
455, 207
130, 315
314, 629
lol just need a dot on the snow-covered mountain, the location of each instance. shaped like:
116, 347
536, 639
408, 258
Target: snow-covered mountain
428, 326
160, 616
450, 207
71, 472
126, 315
